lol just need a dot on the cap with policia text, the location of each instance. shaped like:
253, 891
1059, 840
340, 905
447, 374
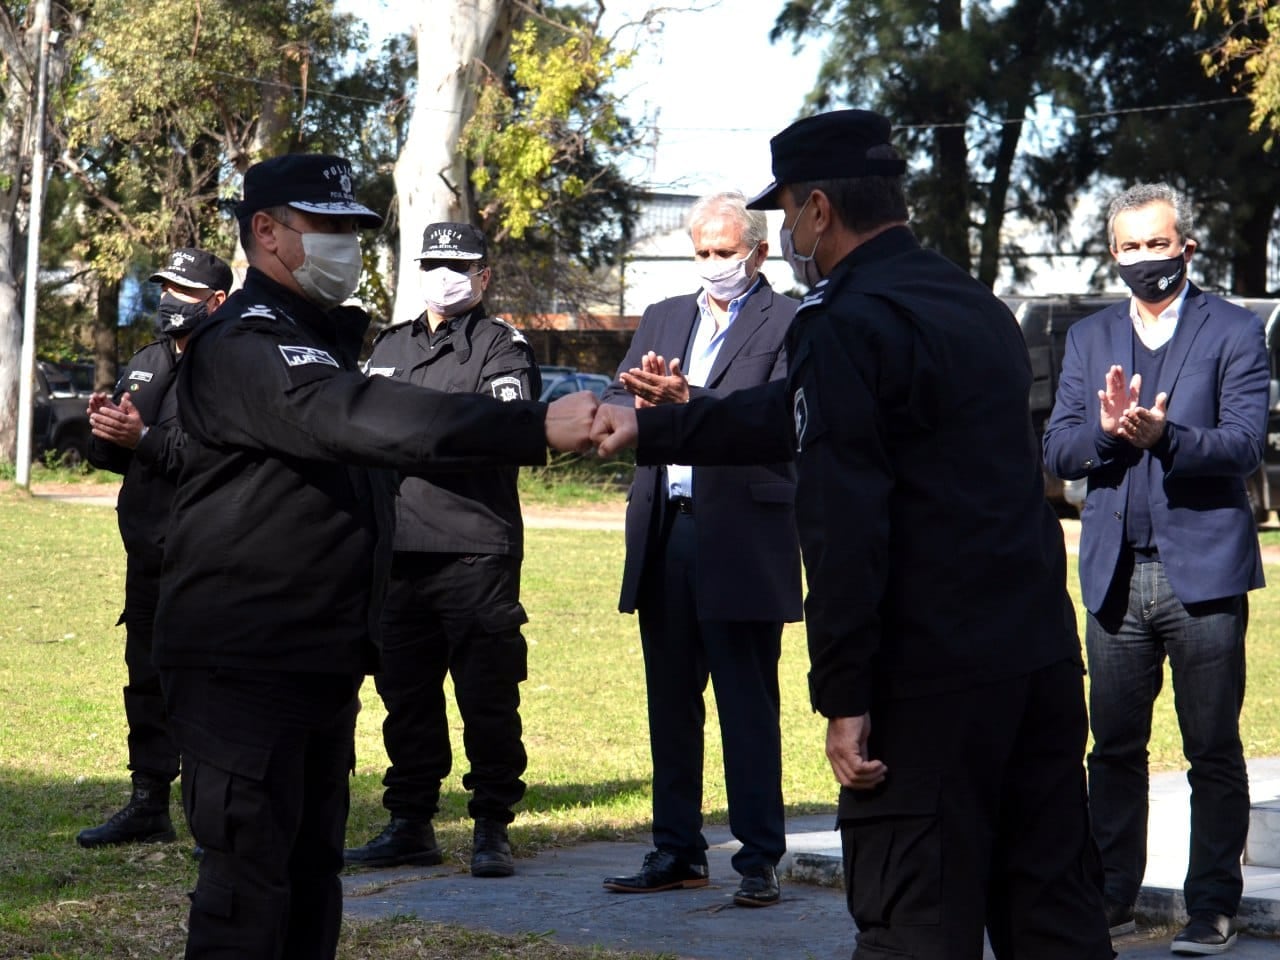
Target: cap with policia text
840, 145
198, 269
310, 182
452, 241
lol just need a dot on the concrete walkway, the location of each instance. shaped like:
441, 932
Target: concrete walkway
557, 894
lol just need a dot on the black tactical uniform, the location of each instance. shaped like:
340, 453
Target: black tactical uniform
274, 570
142, 512
150, 472
453, 602
937, 587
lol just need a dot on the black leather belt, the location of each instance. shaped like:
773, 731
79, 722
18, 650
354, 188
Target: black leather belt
680, 504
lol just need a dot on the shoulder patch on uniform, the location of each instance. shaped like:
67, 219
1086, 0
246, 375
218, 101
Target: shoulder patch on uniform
260, 310
800, 410
507, 388
380, 371
143, 375
815, 296
299, 356
517, 335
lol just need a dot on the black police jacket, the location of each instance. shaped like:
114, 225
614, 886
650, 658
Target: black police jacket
150, 470
280, 537
933, 560
468, 511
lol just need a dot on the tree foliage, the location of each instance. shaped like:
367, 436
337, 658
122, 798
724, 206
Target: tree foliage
958, 80
1249, 53
969, 86
1143, 110
543, 147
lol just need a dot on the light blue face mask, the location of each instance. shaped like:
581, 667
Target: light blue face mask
805, 268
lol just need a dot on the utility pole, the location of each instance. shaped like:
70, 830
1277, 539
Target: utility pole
27, 361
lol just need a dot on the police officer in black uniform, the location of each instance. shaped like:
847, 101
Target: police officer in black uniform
135, 433
278, 551
453, 602
941, 637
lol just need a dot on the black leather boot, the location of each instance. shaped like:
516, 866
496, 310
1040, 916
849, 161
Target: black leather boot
491, 851
401, 841
144, 819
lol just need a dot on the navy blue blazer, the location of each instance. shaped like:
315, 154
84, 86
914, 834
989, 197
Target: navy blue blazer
744, 515
1217, 379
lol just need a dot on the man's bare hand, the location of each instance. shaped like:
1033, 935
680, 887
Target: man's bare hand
1114, 400
652, 382
1143, 427
119, 424
847, 750
615, 429
569, 422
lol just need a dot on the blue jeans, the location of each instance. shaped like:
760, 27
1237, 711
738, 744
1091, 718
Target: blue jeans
1127, 642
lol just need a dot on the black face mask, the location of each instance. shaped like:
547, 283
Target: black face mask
1153, 280
177, 318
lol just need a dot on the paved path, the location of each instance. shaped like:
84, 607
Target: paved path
557, 894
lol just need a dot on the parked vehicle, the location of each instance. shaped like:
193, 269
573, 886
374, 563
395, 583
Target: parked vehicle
1044, 322
59, 421
561, 381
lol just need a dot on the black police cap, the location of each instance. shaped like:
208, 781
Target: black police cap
452, 241
198, 269
829, 146
310, 182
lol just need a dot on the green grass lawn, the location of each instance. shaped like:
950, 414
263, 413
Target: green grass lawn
62, 739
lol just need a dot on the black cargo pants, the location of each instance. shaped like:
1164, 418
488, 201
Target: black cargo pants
266, 758
152, 750
982, 822
456, 615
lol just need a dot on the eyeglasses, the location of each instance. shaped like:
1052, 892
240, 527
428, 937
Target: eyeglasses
457, 266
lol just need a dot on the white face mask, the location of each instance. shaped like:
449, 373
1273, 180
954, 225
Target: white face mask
330, 269
805, 268
726, 279
449, 293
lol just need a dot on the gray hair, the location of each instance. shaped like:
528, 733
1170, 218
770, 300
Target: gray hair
731, 203
1143, 195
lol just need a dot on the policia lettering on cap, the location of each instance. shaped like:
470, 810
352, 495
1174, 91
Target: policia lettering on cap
278, 552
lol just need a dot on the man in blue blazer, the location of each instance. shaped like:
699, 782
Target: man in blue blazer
713, 563
1162, 405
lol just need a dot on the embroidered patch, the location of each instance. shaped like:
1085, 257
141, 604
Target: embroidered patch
516, 335
507, 388
258, 310
800, 409
143, 375
301, 356
381, 371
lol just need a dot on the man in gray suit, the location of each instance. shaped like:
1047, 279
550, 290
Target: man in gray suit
713, 563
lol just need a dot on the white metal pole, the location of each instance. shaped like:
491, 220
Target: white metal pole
27, 360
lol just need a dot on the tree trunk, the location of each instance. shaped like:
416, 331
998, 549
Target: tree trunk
1249, 259
951, 158
106, 327
21, 53
1028, 17
430, 175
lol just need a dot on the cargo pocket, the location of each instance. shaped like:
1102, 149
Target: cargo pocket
892, 842
499, 639
214, 898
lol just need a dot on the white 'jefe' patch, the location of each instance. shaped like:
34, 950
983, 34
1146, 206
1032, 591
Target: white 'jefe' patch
382, 371
300, 356
143, 375
507, 388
